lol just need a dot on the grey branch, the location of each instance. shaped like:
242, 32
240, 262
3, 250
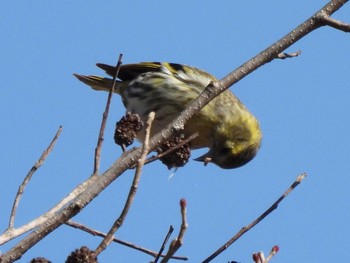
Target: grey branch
177, 242
245, 229
128, 159
131, 196
122, 242
329, 21
26, 180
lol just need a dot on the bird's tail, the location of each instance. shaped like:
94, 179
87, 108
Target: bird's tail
99, 83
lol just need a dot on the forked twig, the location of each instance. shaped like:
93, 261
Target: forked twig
257, 220
122, 164
288, 55
118, 223
259, 257
26, 180
337, 24
94, 232
104, 120
177, 242
171, 229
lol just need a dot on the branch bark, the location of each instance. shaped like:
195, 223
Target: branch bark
100, 139
29, 176
128, 159
140, 163
257, 220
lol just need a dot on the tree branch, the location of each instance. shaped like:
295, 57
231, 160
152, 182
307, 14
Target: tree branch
259, 257
328, 21
129, 158
166, 239
29, 176
289, 55
104, 120
257, 220
118, 223
122, 242
177, 242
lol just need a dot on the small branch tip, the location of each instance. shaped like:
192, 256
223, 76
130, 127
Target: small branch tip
183, 203
301, 177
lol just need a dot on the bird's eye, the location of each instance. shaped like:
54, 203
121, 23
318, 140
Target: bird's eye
224, 150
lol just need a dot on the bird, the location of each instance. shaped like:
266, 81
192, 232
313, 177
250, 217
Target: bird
225, 126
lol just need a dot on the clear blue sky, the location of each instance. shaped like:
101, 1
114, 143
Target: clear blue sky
302, 104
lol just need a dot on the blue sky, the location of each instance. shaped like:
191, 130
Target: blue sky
302, 105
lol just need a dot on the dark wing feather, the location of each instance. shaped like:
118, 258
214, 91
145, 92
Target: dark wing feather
129, 72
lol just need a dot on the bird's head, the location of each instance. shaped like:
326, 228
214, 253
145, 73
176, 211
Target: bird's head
236, 148
230, 156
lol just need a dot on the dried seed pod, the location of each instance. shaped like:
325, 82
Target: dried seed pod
39, 260
82, 255
127, 128
178, 157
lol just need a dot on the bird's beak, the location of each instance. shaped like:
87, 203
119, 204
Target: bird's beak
206, 158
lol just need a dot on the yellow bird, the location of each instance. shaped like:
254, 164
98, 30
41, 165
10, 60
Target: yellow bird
225, 125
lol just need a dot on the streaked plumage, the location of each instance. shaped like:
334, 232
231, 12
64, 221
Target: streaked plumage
225, 126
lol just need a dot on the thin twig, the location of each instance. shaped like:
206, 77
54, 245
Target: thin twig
123, 147
288, 55
104, 120
273, 252
171, 229
257, 220
337, 24
26, 180
259, 257
177, 243
122, 164
118, 223
12, 233
94, 232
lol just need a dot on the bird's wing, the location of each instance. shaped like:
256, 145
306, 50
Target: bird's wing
129, 72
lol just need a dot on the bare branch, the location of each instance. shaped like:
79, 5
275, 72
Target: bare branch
288, 55
128, 159
257, 220
104, 120
273, 252
94, 232
337, 24
171, 229
29, 176
177, 243
118, 223
12, 233
259, 257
